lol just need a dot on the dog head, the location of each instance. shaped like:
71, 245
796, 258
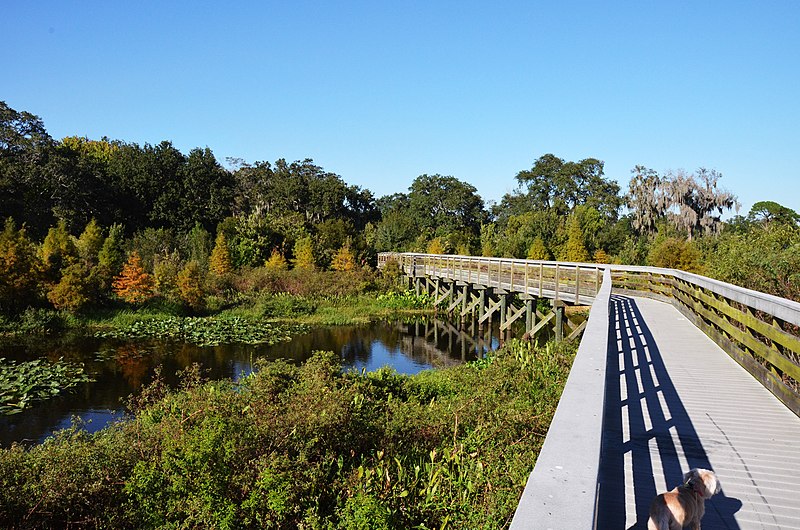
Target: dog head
703, 481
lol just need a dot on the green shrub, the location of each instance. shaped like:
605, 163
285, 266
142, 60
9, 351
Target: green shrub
407, 299
284, 305
304, 446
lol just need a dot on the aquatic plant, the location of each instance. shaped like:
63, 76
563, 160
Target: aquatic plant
22, 384
407, 299
205, 331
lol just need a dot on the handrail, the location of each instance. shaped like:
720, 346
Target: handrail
561, 491
760, 331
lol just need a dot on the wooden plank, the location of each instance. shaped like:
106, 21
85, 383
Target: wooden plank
774, 334
745, 358
514, 315
493, 306
747, 340
679, 402
577, 330
542, 323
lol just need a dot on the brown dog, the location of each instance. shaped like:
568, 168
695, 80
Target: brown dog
685, 504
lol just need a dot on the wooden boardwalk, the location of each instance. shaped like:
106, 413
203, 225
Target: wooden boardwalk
675, 400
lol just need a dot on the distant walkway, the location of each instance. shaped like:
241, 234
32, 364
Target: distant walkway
675, 401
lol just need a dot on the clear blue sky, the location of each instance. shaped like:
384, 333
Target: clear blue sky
381, 92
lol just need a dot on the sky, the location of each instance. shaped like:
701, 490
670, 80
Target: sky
381, 92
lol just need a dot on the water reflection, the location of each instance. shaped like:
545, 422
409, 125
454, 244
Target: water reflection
121, 368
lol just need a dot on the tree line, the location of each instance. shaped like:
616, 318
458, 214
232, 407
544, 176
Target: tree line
79, 210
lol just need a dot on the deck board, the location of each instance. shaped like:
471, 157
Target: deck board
675, 400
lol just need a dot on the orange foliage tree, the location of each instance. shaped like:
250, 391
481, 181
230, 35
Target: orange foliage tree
133, 284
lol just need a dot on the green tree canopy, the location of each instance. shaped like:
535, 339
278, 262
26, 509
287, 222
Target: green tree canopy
555, 184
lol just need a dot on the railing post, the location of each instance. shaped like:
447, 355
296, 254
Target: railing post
558, 283
526, 277
577, 284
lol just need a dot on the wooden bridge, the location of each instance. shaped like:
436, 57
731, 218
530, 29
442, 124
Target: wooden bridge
674, 371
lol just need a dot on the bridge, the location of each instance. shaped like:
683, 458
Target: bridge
674, 371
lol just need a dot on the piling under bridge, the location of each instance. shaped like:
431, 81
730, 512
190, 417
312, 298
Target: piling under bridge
674, 371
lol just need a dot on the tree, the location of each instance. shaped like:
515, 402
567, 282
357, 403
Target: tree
344, 260
488, 240
575, 249
198, 243
190, 286
692, 202
133, 284
304, 254
435, 246
165, 277
769, 212
646, 199
19, 269
696, 203
58, 251
205, 192
276, 261
444, 205
76, 289
112, 254
538, 251
220, 262
555, 184
90, 243
25, 153
674, 253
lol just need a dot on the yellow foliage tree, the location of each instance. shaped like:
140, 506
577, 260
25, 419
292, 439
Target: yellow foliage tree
58, 251
220, 262
19, 268
575, 249
90, 243
538, 250
435, 246
601, 256
344, 260
190, 286
75, 290
304, 254
133, 284
276, 261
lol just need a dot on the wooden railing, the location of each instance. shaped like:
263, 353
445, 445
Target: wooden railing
760, 331
575, 283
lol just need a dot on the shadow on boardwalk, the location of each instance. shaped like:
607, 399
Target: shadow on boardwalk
647, 429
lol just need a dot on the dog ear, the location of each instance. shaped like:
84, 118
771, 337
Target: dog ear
711, 482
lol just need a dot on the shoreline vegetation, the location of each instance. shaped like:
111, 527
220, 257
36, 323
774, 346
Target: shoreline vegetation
308, 446
267, 319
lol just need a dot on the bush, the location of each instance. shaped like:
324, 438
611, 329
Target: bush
302, 446
675, 253
34, 320
284, 305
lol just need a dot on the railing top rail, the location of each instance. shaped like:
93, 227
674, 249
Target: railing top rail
561, 490
782, 308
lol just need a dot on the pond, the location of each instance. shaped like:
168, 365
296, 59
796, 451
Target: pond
120, 368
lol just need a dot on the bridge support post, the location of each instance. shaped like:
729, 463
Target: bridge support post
530, 312
503, 311
558, 307
481, 308
465, 302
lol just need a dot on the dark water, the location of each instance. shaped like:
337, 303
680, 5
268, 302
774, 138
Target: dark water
120, 368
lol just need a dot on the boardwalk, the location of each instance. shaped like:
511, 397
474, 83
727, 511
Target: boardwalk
694, 372
675, 400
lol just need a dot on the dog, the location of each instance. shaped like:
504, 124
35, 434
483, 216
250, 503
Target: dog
685, 504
